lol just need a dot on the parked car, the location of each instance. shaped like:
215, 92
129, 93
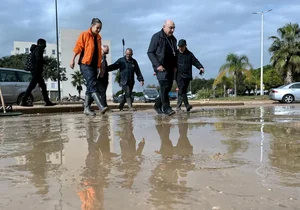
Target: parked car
150, 94
190, 95
14, 83
173, 95
286, 93
119, 98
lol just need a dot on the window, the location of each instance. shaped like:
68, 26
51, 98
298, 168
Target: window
295, 86
8, 76
24, 77
53, 52
26, 50
17, 49
53, 85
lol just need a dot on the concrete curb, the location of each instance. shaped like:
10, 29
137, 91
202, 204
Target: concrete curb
78, 106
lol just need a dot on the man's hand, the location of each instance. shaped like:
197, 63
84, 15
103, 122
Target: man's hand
98, 72
142, 83
201, 71
160, 68
72, 64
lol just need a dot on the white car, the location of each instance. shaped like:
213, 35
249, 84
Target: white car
286, 93
14, 83
190, 96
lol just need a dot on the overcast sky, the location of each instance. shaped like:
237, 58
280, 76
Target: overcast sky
212, 28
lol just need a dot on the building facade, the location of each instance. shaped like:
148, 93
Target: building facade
67, 40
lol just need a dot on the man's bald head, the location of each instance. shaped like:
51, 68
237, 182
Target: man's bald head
169, 27
105, 49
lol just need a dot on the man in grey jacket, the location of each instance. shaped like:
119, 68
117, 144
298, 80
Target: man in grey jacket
162, 54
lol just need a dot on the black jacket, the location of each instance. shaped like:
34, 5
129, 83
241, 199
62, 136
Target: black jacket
127, 70
186, 61
37, 57
157, 49
106, 73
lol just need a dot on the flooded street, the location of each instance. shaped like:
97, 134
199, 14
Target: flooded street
225, 158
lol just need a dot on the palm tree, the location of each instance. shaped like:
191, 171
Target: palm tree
117, 76
235, 64
285, 51
78, 81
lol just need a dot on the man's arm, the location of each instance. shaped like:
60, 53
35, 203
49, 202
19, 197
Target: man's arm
138, 72
114, 66
152, 50
196, 62
38, 54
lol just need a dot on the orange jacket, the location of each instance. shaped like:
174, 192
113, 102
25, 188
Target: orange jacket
85, 42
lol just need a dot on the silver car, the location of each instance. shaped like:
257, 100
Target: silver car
286, 93
14, 83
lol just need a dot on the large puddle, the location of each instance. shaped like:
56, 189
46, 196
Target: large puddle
247, 158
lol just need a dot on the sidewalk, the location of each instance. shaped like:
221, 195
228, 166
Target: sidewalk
78, 106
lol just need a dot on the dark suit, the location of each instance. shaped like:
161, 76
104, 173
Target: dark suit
127, 70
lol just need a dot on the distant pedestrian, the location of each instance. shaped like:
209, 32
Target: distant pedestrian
186, 60
128, 67
88, 46
37, 77
162, 54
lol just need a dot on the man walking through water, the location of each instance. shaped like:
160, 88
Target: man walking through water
162, 54
186, 60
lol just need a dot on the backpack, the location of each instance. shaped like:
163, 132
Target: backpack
28, 64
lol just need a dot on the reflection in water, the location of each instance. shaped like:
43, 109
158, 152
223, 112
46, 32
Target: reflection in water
131, 156
262, 111
168, 179
44, 155
98, 165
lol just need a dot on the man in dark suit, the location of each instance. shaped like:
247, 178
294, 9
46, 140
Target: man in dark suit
162, 54
128, 67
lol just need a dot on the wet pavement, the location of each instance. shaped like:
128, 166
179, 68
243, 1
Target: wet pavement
225, 158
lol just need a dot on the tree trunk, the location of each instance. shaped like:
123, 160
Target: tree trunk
79, 93
235, 84
289, 77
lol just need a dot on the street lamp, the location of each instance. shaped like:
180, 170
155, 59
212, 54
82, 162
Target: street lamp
261, 48
57, 54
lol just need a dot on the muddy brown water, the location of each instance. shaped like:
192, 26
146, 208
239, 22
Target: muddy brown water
225, 158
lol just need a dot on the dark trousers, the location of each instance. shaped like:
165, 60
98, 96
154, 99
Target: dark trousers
127, 89
183, 85
37, 78
102, 87
90, 75
165, 84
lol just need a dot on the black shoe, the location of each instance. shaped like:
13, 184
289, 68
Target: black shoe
169, 112
158, 110
49, 103
188, 108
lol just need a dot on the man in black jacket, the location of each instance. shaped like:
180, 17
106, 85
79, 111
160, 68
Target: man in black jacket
162, 54
186, 60
128, 67
37, 78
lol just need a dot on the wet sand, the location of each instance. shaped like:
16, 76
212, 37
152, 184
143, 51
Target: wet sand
225, 158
